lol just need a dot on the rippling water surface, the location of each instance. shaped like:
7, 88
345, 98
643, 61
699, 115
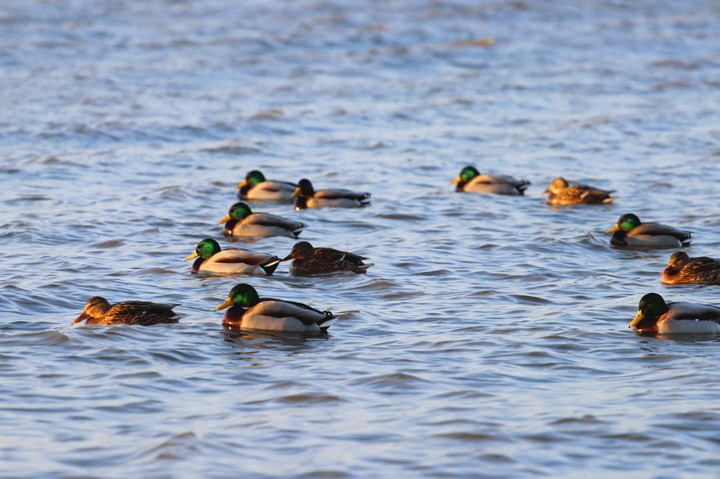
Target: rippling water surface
489, 339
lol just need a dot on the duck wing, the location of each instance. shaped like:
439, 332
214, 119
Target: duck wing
239, 255
280, 308
692, 311
507, 179
657, 229
140, 312
267, 219
340, 193
276, 186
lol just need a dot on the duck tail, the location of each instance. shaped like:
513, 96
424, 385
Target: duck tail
327, 321
362, 268
270, 265
298, 229
364, 199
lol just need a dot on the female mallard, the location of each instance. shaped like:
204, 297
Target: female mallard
630, 232
256, 187
98, 311
656, 316
309, 260
306, 197
682, 268
241, 221
212, 258
249, 311
560, 192
471, 181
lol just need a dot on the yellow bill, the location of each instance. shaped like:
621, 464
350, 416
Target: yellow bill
228, 302
638, 317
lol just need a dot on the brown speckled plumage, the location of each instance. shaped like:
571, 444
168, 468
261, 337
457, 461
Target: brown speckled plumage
560, 192
99, 311
683, 269
309, 260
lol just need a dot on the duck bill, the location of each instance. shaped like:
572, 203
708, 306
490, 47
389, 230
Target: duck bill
82, 316
286, 258
226, 304
638, 317
456, 180
192, 255
613, 229
545, 192
225, 219
297, 192
241, 184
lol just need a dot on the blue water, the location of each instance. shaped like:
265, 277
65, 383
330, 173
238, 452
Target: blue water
488, 340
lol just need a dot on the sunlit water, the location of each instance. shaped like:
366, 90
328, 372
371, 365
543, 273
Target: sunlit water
488, 340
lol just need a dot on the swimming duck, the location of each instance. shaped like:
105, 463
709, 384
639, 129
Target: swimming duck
98, 311
212, 258
306, 197
560, 192
309, 260
630, 232
681, 268
656, 316
248, 311
241, 221
471, 181
256, 187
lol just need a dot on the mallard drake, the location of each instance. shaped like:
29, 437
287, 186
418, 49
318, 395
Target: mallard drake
306, 197
560, 192
681, 268
256, 187
656, 316
98, 311
248, 311
241, 221
212, 258
309, 260
630, 232
471, 181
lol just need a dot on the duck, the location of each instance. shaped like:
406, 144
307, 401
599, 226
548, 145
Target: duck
256, 187
212, 258
470, 180
560, 192
249, 311
307, 197
241, 221
99, 311
656, 316
630, 232
311, 260
681, 269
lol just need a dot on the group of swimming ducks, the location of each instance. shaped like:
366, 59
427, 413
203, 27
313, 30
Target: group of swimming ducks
248, 311
245, 309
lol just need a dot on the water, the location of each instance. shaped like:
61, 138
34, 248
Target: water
489, 339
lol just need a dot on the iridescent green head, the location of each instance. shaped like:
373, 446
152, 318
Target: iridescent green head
254, 177
304, 188
651, 306
466, 174
238, 211
242, 295
205, 249
625, 223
